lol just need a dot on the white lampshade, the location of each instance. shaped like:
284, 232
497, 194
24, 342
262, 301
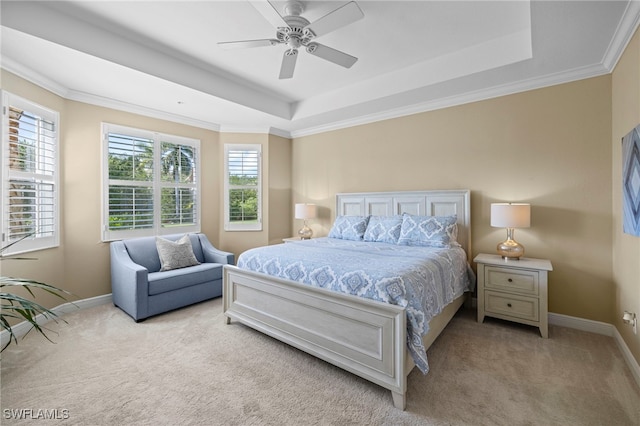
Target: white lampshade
510, 215
305, 211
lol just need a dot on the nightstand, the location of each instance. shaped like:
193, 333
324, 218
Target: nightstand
513, 290
290, 239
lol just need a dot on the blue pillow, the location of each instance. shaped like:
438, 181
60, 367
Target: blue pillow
383, 229
349, 227
428, 231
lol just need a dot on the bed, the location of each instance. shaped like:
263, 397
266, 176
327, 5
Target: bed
378, 340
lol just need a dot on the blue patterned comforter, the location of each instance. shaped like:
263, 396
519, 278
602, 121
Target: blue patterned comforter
421, 279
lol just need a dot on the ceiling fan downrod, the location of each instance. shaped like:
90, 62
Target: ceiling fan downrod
293, 8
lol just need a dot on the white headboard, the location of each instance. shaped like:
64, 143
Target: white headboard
424, 203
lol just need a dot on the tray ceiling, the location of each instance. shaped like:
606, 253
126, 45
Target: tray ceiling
161, 58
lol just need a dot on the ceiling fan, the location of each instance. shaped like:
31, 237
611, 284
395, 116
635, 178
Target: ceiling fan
297, 32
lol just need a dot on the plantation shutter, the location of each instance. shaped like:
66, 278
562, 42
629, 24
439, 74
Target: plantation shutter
178, 182
242, 187
131, 195
152, 183
30, 179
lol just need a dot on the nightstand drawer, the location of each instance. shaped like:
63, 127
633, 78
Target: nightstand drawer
514, 306
511, 280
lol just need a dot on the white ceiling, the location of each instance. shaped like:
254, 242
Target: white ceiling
161, 58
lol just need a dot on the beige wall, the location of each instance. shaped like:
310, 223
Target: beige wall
626, 248
549, 147
280, 206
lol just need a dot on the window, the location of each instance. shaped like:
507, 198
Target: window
242, 188
152, 183
29, 175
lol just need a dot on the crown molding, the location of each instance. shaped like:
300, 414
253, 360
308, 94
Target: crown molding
33, 77
480, 95
258, 130
626, 28
140, 110
48, 84
476, 96
73, 95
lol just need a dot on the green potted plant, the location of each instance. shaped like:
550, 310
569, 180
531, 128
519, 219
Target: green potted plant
14, 306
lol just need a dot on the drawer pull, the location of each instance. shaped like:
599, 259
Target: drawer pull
510, 280
509, 304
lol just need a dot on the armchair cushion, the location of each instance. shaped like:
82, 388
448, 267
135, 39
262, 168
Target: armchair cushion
160, 282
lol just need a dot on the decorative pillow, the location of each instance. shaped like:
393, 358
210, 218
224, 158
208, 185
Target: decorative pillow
175, 255
349, 227
383, 229
428, 231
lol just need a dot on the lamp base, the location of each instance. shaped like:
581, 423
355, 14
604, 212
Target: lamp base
305, 233
510, 249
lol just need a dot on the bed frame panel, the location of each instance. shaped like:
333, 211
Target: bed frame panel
323, 323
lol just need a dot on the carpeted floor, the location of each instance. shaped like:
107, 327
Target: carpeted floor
188, 368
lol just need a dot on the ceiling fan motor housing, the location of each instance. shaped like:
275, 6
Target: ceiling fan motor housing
294, 35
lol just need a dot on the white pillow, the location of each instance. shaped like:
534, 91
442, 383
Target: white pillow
175, 255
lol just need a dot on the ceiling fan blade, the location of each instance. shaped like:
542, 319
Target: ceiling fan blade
288, 63
339, 18
248, 43
269, 12
331, 55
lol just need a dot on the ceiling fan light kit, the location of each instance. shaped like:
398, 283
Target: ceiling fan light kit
295, 32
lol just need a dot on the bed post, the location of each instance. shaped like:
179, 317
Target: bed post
399, 400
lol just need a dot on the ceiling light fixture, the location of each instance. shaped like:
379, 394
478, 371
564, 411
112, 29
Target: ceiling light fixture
297, 32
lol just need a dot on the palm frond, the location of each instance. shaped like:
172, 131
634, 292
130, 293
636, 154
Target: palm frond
15, 307
28, 284
21, 308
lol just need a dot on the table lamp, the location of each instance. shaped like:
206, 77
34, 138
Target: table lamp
510, 216
305, 211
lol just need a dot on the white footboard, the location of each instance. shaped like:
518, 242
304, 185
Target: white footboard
364, 337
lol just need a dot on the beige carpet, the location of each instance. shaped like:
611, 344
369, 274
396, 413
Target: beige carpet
187, 367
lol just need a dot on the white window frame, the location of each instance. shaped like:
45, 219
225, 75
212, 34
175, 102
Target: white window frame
42, 238
157, 184
238, 226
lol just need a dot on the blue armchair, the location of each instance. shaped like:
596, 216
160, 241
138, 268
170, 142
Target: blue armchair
141, 290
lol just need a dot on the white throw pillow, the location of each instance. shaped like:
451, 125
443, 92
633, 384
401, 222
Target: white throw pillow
175, 255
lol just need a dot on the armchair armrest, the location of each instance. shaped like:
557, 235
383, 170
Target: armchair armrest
129, 282
214, 255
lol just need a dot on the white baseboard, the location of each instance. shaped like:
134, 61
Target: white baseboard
594, 327
599, 328
23, 328
581, 324
628, 356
